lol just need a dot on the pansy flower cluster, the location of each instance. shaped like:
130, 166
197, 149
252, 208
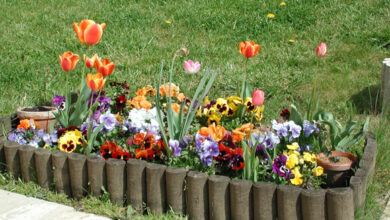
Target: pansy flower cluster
27, 133
70, 139
221, 109
111, 150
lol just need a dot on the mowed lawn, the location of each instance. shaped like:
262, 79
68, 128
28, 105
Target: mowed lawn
141, 34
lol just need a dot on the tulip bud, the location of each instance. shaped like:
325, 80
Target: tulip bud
258, 97
249, 48
68, 61
321, 50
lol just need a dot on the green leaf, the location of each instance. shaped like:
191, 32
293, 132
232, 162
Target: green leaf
295, 115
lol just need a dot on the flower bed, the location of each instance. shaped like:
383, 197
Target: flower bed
137, 182
202, 157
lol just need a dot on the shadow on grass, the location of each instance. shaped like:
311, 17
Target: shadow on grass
367, 100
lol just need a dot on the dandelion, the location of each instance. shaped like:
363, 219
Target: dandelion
168, 21
270, 15
282, 3
291, 41
203, 25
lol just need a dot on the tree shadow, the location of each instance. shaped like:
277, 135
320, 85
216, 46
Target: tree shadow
367, 100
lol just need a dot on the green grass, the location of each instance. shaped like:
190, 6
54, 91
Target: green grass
100, 206
137, 39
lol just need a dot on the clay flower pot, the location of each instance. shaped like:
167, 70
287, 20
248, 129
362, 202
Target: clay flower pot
345, 163
43, 115
338, 173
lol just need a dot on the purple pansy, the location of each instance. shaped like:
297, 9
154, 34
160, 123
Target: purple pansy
174, 145
309, 128
57, 100
279, 166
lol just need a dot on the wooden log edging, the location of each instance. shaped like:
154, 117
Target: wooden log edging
196, 194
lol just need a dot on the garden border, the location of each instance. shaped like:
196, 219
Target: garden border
193, 193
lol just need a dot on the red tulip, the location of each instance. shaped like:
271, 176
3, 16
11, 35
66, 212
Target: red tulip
68, 61
105, 67
90, 62
249, 48
95, 81
88, 32
321, 50
258, 97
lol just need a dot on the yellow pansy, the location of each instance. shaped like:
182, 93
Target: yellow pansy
222, 106
293, 146
249, 105
206, 100
69, 141
297, 177
293, 160
214, 117
259, 113
309, 157
318, 171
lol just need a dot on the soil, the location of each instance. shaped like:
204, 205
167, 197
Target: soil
37, 109
342, 159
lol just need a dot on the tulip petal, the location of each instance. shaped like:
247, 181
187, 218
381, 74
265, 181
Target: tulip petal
242, 47
249, 51
92, 34
66, 64
84, 24
103, 25
257, 48
78, 31
74, 59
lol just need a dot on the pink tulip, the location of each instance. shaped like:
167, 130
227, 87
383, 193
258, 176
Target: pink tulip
191, 67
258, 97
321, 50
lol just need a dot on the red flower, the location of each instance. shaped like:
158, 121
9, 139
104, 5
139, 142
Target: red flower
138, 138
285, 114
144, 153
321, 50
249, 48
120, 102
108, 149
121, 155
258, 97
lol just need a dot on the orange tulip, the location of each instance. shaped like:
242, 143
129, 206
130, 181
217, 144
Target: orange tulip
249, 48
68, 61
95, 81
105, 67
90, 62
88, 32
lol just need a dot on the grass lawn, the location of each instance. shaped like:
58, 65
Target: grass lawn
137, 38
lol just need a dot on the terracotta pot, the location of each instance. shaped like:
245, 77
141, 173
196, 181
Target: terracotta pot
43, 115
337, 174
327, 165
